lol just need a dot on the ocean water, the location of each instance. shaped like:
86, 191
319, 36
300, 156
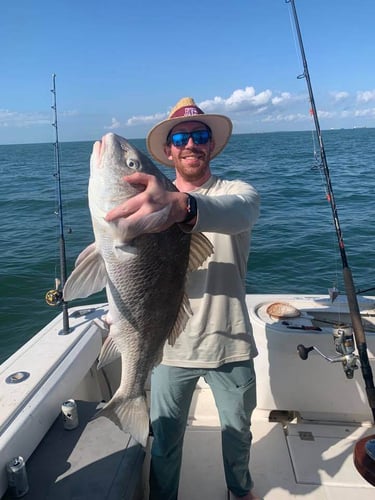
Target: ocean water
294, 244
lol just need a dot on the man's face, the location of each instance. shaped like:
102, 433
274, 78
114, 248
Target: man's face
191, 161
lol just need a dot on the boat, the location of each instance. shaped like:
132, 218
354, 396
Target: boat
313, 428
311, 413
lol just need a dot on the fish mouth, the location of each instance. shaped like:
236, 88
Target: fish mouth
96, 150
110, 149
99, 147
96, 156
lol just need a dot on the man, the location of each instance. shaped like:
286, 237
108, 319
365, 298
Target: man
217, 342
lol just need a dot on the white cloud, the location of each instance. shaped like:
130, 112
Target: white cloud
17, 119
356, 113
291, 117
239, 100
5, 113
69, 112
248, 108
365, 112
366, 95
6, 117
114, 125
326, 114
282, 98
146, 119
340, 96
215, 105
265, 106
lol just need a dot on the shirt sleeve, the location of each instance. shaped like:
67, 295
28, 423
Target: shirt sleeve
232, 212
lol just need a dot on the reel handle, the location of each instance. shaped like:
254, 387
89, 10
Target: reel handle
304, 351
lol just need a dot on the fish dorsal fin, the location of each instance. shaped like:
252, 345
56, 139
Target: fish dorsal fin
200, 249
89, 275
109, 353
183, 316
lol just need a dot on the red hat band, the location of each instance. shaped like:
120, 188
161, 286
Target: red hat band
187, 111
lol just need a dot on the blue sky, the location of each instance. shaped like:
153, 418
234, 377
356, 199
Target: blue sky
122, 65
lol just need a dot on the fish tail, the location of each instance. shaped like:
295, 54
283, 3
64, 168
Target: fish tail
130, 415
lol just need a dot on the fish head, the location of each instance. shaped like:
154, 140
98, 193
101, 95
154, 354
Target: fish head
113, 158
109, 163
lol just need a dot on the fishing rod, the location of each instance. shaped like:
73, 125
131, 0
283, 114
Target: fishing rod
359, 333
54, 297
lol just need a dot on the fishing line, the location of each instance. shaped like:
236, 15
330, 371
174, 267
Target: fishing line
317, 166
317, 163
317, 159
57, 176
54, 297
296, 46
67, 226
357, 326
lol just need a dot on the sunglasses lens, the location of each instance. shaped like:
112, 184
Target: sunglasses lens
200, 136
180, 139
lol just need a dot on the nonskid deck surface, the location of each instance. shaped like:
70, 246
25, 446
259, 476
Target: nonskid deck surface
312, 462
95, 461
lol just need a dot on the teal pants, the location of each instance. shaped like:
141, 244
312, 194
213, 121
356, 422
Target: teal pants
234, 389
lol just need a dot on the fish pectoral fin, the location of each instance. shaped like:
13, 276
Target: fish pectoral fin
127, 229
87, 251
90, 275
108, 353
200, 249
183, 316
124, 251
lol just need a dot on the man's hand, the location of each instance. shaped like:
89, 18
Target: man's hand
153, 210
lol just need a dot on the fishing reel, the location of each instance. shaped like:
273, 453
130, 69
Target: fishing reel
344, 345
54, 297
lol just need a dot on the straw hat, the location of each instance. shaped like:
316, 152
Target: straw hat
186, 111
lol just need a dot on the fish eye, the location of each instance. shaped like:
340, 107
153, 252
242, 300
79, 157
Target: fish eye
133, 164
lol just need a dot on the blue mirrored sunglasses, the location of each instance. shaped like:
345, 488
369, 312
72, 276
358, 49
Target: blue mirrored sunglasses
180, 139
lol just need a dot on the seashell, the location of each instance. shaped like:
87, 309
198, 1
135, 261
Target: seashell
282, 310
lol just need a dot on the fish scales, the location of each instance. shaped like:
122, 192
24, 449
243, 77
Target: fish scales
144, 276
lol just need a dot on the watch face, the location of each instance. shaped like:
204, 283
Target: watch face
191, 208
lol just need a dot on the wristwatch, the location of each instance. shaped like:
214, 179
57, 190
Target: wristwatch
191, 208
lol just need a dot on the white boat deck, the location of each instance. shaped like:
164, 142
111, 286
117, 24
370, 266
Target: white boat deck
288, 459
97, 461
308, 455
282, 467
